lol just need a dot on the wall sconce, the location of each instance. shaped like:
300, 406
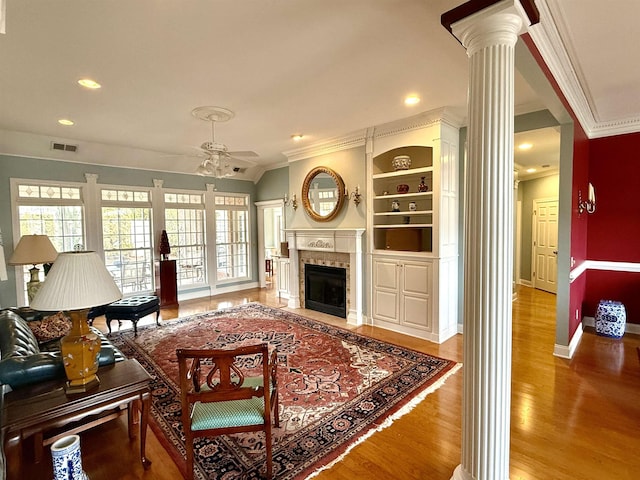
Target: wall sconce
355, 196
590, 204
292, 201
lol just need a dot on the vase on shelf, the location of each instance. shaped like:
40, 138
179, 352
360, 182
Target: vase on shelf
395, 206
401, 162
422, 187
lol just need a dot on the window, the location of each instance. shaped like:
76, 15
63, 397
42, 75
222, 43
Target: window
324, 199
53, 210
232, 236
184, 223
126, 230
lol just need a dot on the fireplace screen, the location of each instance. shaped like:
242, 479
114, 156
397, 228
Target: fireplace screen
325, 289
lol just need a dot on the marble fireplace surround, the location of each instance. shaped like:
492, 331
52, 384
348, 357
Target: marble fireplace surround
343, 248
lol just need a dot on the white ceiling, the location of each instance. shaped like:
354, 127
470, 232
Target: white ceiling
323, 68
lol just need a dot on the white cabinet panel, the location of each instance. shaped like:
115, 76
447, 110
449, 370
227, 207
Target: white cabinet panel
417, 311
385, 274
385, 304
416, 278
402, 292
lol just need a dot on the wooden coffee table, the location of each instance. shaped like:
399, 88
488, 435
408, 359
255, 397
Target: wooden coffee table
42, 411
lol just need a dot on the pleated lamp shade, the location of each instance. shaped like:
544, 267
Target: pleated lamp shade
76, 281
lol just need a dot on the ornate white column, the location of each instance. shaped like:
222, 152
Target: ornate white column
489, 36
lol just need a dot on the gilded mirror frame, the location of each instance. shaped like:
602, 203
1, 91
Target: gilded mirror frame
305, 194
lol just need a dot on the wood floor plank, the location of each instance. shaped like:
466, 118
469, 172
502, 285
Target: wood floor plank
571, 419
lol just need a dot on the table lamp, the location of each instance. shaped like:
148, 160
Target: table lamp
32, 250
76, 282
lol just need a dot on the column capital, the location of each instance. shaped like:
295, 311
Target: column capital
475, 6
91, 177
500, 24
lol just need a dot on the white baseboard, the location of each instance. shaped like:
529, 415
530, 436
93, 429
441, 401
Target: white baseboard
564, 351
526, 283
628, 328
209, 292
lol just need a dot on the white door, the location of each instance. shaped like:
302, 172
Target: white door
270, 232
545, 245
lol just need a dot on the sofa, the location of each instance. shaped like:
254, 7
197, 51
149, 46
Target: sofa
24, 359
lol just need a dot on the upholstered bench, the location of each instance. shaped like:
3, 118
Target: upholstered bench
133, 309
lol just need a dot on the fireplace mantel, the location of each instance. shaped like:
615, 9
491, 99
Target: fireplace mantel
341, 240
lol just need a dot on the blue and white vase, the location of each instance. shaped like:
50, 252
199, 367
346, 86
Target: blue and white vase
67, 459
611, 319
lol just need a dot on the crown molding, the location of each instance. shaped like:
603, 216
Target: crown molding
416, 122
359, 138
548, 37
332, 145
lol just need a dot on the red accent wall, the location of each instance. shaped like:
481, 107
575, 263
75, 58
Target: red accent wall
576, 302
614, 228
620, 286
579, 225
614, 171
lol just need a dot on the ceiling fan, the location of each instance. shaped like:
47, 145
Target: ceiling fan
218, 161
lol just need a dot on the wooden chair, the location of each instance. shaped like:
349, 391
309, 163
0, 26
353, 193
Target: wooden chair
218, 399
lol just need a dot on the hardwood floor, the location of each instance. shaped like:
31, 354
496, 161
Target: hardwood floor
577, 419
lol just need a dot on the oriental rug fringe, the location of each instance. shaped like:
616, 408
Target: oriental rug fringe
336, 388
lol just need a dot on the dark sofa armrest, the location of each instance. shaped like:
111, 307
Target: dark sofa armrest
107, 355
19, 371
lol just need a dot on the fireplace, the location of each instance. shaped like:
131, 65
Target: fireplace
342, 249
326, 289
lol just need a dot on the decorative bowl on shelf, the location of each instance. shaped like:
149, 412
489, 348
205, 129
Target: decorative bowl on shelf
402, 188
401, 162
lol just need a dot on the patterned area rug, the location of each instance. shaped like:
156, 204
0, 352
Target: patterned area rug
336, 388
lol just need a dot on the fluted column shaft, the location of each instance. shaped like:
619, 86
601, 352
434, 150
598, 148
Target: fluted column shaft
489, 37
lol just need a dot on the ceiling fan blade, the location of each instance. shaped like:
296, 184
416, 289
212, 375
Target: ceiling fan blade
243, 153
241, 161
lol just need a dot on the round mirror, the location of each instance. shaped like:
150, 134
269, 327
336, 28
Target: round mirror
322, 194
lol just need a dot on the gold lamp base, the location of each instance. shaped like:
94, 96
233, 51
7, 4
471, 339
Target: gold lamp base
80, 352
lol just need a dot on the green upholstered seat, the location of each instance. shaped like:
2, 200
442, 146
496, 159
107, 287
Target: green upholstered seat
234, 413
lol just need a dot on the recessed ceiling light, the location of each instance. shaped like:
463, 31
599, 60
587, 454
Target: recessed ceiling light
297, 137
531, 170
88, 83
411, 99
66, 122
525, 146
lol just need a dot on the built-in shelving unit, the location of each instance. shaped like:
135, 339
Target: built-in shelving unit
416, 224
414, 240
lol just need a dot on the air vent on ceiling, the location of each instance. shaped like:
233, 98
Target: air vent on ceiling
64, 147
239, 170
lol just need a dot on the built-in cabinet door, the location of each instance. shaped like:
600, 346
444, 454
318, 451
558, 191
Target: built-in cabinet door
416, 292
386, 290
